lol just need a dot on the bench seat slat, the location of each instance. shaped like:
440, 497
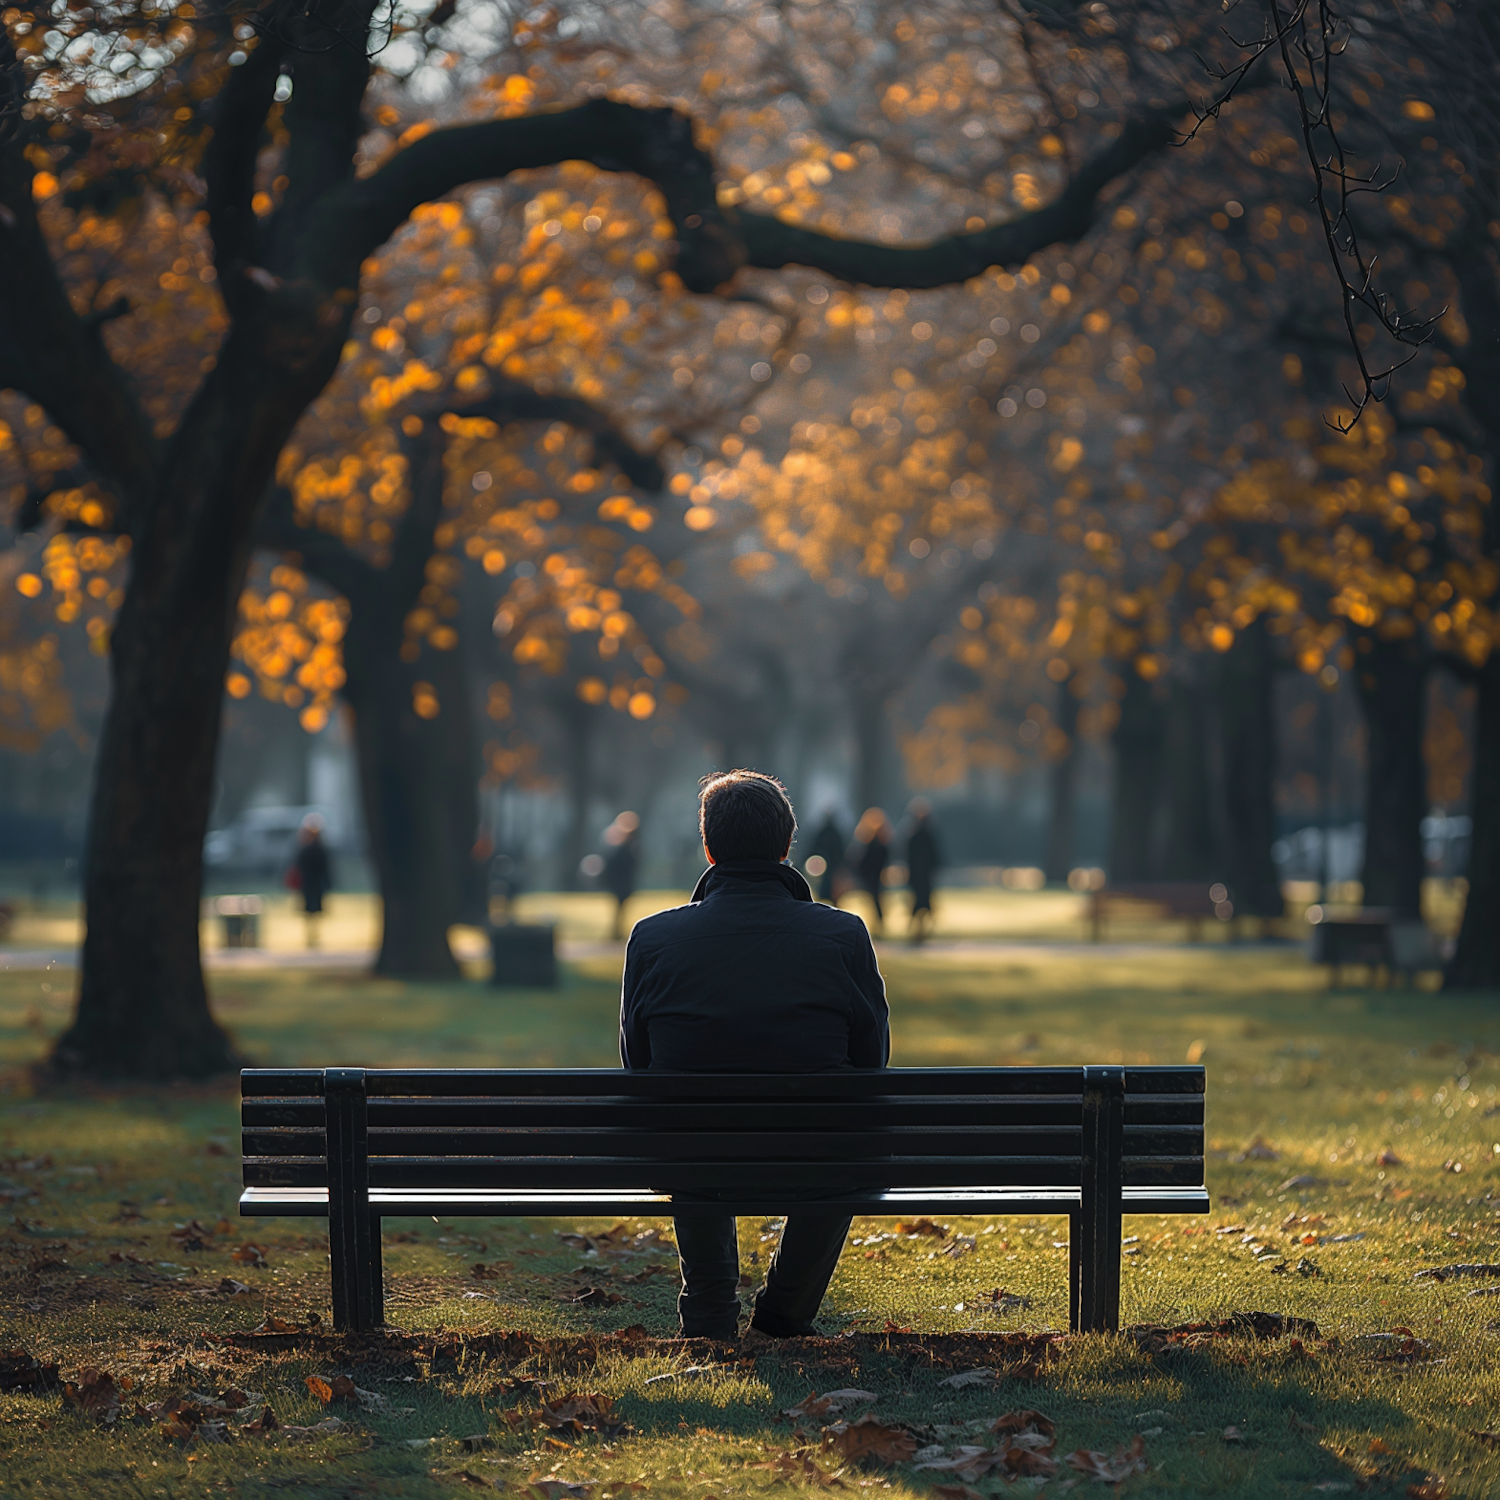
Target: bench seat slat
825, 1145
312, 1202
864, 1114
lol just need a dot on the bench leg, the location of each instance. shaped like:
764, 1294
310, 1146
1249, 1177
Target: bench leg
1094, 1247
353, 1232
1075, 1271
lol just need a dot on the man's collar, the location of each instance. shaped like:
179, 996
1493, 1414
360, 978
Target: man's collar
716, 877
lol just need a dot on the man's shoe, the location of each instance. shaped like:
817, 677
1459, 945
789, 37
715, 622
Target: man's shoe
776, 1333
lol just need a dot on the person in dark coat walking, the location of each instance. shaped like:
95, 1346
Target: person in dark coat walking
314, 873
923, 858
752, 976
828, 845
620, 864
869, 854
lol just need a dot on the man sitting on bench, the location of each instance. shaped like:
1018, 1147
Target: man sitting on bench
752, 976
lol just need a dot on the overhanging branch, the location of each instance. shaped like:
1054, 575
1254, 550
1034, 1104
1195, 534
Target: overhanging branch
713, 242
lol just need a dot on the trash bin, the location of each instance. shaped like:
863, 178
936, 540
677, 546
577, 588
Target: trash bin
525, 956
241, 917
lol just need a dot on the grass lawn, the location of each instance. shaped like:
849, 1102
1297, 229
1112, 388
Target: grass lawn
1338, 1124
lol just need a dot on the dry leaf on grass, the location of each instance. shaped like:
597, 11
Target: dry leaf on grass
1433, 1487
464, 1476
1389, 1159
830, 1403
232, 1288
265, 1422
969, 1461
1113, 1469
325, 1428
1001, 1300
589, 1412
1155, 1337
94, 1394
192, 1236
1489, 1439
249, 1255
1025, 1423
1232, 1435
619, 1241
20, 1370
589, 1296
917, 1227
1450, 1273
966, 1378
550, 1488
869, 1439
1400, 1347
798, 1464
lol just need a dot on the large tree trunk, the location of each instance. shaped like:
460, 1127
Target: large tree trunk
1062, 778
1391, 678
142, 1004
410, 768
1476, 962
1137, 744
1186, 850
1247, 728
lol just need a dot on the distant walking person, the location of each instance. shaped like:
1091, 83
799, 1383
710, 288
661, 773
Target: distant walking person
828, 845
311, 873
869, 854
620, 864
923, 859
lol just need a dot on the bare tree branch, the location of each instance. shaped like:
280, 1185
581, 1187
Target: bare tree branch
239, 117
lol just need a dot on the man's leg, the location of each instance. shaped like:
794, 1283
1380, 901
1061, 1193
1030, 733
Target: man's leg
800, 1271
708, 1307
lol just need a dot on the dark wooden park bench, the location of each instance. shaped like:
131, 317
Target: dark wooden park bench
1193, 901
356, 1146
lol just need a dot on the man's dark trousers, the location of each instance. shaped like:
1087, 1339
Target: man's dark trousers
799, 1273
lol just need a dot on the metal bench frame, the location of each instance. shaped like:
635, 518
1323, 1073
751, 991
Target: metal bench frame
356, 1146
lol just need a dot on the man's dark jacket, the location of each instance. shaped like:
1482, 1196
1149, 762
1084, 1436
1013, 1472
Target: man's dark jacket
752, 976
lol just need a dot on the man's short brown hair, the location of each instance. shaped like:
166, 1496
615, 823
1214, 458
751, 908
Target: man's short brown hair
745, 815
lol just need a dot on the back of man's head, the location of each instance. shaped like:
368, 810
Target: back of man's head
745, 815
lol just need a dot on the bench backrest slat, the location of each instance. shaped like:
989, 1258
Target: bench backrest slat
606, 1128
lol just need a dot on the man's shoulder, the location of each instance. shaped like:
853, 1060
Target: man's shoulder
798, 916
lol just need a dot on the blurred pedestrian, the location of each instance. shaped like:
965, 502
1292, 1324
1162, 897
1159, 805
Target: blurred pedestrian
311, 874
620, 864
923, 859
869, 854
828, 846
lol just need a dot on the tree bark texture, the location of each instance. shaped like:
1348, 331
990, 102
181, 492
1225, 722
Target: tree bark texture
1247, 735
1476, 961
418, 780
1062, 789
1391, 679
1186, 850
290, 283
1138, 741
